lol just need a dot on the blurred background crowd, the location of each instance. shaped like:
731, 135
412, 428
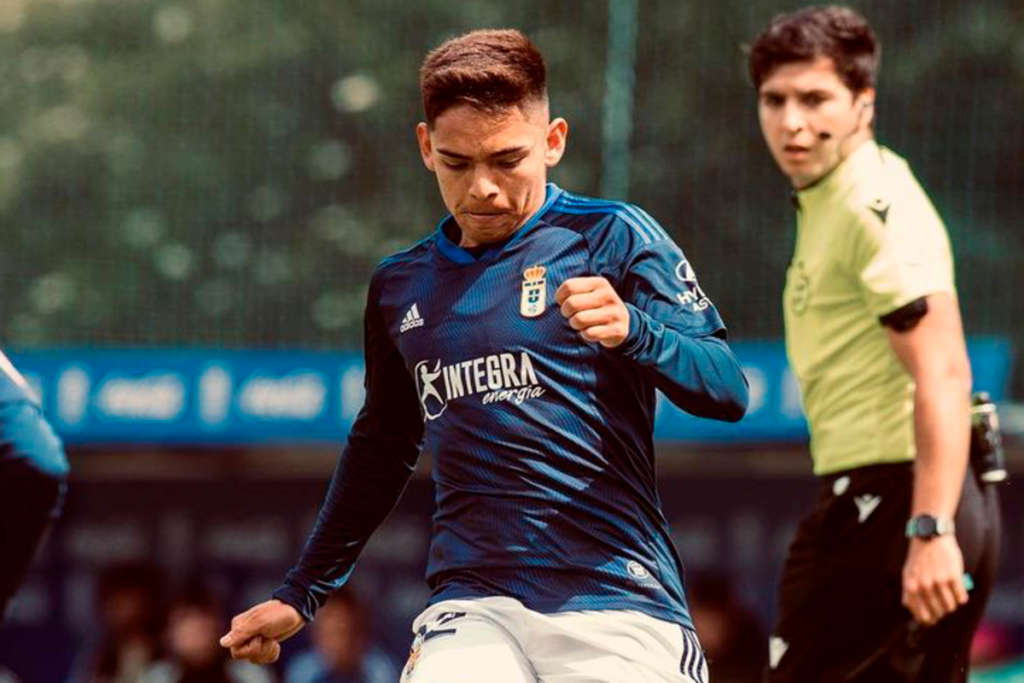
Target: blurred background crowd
149, 630
205, 179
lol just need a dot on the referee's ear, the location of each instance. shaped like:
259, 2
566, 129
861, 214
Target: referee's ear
865, 108
423, 138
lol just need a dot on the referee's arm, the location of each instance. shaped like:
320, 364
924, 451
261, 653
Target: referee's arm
934, 353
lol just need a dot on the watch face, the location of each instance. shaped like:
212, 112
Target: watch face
927, 526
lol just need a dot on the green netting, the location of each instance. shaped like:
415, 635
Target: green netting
227, 172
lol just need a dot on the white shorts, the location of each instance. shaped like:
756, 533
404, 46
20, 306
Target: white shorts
498, 640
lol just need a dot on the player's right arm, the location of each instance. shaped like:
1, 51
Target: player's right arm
370, 476
643, 300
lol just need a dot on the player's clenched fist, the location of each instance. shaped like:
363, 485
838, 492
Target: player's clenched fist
256, 634
594, 308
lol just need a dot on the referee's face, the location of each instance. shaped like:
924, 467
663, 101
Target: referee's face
811, 120
492, 167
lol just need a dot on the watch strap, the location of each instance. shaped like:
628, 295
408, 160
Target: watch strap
929, 526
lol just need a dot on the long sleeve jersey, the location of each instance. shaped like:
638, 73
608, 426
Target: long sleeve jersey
541, 443
12, 385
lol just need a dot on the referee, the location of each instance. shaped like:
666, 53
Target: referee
33, 472
889, 573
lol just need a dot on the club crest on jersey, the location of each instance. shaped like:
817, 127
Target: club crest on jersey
534, 294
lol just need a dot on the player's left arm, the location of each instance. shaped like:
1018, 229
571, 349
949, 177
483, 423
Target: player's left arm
933, 351
661, 319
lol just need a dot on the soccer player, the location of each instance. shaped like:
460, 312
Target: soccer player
521, 343
33, 472
889, 573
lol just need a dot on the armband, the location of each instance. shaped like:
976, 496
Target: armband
906, 317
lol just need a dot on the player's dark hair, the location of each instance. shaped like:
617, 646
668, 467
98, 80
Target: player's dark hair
489, 70
832, 31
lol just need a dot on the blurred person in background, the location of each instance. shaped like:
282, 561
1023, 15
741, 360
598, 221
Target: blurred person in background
342, 650
33, 475
731, 633
520, 346
889, 574
996, 654
8, 676
132, 613
192, 654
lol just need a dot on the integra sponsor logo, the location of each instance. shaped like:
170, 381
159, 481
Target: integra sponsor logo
503, 377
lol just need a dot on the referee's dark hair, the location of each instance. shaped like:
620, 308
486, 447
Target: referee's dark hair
832, 31
489, 70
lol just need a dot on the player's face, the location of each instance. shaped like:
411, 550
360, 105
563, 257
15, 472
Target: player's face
492, 168
811, 120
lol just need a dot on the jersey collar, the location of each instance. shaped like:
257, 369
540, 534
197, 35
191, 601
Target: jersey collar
453, 252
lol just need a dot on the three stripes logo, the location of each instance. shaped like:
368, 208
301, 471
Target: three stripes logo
412, 319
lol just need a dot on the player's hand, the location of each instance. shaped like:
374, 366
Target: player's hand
933, 578
256, 634
594, 308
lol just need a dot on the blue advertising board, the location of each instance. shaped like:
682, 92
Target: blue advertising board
250, 397
775, 414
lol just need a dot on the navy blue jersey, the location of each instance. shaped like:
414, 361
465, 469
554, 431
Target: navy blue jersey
541, 443
12, 384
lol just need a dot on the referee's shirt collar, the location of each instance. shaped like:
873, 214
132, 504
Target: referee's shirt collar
843, 175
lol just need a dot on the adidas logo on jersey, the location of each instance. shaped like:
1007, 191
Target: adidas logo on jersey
412, 319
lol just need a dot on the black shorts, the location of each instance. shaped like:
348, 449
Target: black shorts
841, 617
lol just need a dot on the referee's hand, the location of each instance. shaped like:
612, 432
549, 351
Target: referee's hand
256, 634
933, 578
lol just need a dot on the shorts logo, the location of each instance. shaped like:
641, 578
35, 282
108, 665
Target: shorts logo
866, 504
502, 377
694, 297
428, 632
776, 650
840, 485
414, 655
533, 298
637, 570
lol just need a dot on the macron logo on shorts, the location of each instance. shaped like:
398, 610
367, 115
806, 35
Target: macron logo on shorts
866, 504
412, 319
776, 649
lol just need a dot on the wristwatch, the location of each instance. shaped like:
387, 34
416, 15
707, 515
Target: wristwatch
929, 526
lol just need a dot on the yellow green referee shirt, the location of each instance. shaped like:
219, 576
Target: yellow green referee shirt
868, 242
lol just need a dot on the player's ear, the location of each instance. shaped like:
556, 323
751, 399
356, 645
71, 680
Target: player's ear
557, 134
423, 138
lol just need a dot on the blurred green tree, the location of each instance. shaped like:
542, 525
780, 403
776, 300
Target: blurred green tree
227, 172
